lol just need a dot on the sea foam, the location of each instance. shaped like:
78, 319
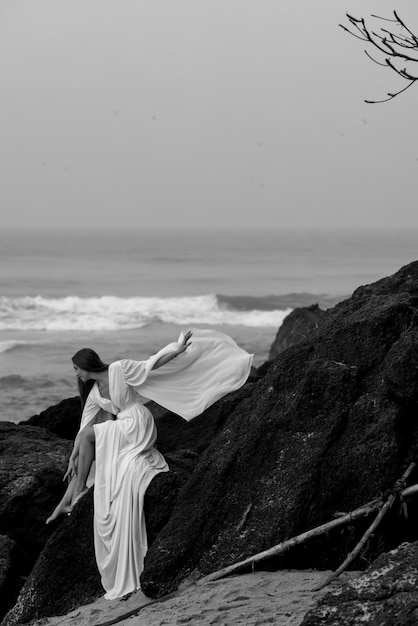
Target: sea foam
9, 345
116, 313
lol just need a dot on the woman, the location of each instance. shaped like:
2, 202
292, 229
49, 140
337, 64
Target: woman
119, 432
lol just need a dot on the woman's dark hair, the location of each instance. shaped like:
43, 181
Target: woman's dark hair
87, 359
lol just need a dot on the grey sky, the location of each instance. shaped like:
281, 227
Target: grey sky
201, 113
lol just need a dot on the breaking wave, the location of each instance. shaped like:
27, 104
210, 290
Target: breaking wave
116, 313
7, 346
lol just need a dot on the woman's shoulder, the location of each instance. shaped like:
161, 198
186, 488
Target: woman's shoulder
126, 363
121, 365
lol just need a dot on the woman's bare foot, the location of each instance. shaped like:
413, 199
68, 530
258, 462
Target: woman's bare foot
77, 496
61, 509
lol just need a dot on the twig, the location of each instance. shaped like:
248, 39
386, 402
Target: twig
366, 535
390, 95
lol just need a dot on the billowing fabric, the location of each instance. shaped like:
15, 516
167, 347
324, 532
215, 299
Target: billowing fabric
126, 459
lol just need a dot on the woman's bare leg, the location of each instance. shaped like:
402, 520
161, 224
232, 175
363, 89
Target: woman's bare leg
86, 454
64, 506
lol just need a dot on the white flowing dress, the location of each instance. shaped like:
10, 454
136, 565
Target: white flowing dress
126, 459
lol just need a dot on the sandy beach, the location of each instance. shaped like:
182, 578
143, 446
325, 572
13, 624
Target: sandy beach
282, 598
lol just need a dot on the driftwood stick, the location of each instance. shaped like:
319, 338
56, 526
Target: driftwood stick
409, 491
385, 508
351, 556
406, 493
294, 541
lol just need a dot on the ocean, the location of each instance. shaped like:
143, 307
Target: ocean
128, 293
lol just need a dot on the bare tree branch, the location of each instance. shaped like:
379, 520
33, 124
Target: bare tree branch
394, 47
400, 40
402, 23
375, 60
391, 95
385, 19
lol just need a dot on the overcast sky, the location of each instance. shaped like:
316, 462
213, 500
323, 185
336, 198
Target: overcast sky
177, 113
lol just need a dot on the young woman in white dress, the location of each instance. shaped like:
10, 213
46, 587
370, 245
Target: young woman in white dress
118, 431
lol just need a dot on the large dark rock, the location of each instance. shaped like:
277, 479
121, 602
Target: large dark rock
65, 575
32, 464
295, 328
62, 419
9, 579
164, 489
386, 595
174, 433
332, 424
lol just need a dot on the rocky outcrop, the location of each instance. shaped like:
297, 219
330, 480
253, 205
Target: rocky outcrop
331, 425
386, 595
295, 328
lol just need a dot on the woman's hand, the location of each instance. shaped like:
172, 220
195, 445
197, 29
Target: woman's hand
177, 347
186, 342
71, 470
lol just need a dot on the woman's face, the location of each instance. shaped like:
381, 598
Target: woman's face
83, 375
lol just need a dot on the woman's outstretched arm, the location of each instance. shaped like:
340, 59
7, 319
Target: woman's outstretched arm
166, 358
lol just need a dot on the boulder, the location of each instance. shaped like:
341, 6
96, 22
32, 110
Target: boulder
174, 433
164, 489
9, 580
385, 595
32, 464
65, 576
62, 419
331, 425
295, 328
